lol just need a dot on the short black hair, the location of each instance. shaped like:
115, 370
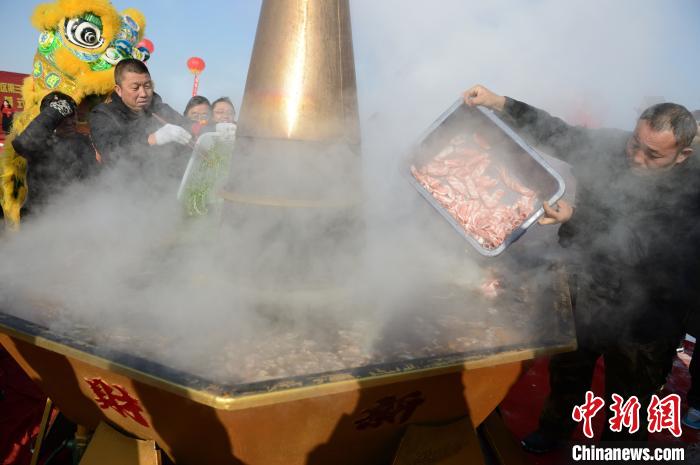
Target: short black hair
223, 100
196, 100
696, 115
671, 116
129, 65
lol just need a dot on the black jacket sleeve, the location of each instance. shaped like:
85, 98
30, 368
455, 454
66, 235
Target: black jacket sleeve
33, 142
561, 139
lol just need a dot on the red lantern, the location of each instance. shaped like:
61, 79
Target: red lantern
196, 66
147, 44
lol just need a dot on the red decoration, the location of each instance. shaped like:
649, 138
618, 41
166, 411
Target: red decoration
147, 44
196, 65
112, 396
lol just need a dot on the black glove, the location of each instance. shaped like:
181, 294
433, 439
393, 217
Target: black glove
59, 102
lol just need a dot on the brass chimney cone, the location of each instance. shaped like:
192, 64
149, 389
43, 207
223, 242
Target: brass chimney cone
301, 81
295, 177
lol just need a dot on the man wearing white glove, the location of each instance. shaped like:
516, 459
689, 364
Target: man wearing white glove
134, 124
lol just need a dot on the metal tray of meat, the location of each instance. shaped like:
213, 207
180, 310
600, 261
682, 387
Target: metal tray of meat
476, 130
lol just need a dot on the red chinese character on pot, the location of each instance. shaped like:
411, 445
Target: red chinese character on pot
587, 411
388, 408
624, 414
665, 414
112, 396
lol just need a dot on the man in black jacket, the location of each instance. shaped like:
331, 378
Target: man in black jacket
626, 247
56, 153
692, 416
136, 125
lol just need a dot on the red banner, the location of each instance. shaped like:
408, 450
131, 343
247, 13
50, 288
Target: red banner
11, 89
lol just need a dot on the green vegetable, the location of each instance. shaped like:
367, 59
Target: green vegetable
208, 173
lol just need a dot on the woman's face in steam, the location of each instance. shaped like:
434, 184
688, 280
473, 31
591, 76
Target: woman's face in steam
198, 113
649, 150
223, 113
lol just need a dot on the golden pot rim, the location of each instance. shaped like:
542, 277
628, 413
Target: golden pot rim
269, 392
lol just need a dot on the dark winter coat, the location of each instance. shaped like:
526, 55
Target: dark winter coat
53, 160
119, 133
627, 239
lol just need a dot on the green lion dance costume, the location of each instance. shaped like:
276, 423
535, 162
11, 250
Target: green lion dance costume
79, 45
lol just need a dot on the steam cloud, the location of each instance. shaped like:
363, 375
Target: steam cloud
113, 259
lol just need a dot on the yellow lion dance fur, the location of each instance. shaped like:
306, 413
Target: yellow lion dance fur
79, 44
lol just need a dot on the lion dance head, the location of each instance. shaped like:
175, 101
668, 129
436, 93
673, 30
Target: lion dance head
79, 44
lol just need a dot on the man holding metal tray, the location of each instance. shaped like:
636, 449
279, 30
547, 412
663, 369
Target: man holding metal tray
626, 249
